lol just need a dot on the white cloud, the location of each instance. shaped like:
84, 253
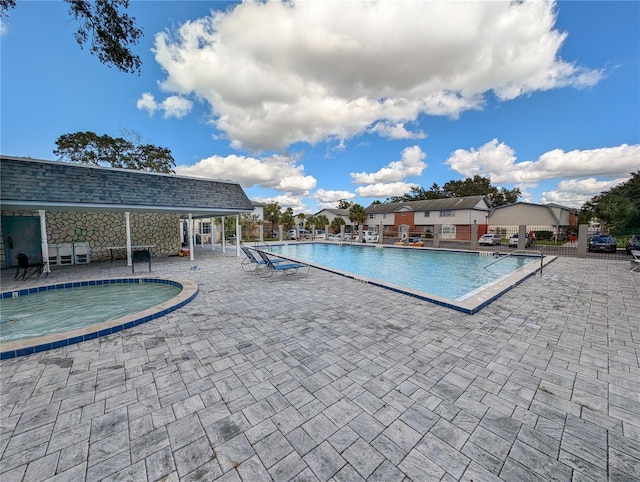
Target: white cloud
395, 131
4, 29
498, 162
276, 172
575, 192
325, 197
286, 201
329, 199
147, 102
275, 73
173, 106
411, 164
384, 190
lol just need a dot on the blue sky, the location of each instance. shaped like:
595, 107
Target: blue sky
309, 102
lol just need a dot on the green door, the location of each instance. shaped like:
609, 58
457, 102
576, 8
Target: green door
21, 235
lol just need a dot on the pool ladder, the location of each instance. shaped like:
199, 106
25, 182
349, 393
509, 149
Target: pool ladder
519, 252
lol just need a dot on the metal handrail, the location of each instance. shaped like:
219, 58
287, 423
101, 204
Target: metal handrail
521, 252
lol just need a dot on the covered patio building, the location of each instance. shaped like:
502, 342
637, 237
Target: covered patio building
47, 203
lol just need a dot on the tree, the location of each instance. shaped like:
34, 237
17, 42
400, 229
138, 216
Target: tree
418, 193
618, 209
287, 219
336, 223
272, 213
357, 214
321, 221
110, 32
250, 223
343, 204
474, 186
90, 148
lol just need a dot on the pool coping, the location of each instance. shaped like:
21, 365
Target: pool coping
472, 302
49, 342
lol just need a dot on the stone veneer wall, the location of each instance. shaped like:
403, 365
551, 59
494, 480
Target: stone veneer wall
108, 229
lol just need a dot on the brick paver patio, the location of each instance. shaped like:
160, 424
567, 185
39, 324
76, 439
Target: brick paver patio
325, 378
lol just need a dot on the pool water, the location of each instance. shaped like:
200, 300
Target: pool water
62, 310
449, 274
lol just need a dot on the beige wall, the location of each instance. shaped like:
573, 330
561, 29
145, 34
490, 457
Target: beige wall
522, 214
108, 229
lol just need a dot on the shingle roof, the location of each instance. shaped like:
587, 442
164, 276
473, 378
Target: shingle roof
335, 212
37, 184
452, 203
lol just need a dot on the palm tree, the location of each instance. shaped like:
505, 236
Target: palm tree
272, 214
336, 223
287, 219
357, 214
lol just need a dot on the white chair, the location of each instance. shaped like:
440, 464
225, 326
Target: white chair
635, 262
53, 255
81, 253
65, 254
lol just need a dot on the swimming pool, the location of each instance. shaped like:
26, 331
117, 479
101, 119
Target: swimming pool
52, 316
466, 281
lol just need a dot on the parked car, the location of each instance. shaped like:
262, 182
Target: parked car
489, 240
513, 241
602, 244
633, 243
294, 234
370, 236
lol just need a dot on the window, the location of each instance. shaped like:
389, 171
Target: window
384, 216
205, 227
427, 213
447, 213
372, 216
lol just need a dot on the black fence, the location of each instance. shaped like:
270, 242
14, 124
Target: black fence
547, 242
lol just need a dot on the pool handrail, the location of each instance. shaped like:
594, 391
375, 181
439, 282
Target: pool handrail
520, 252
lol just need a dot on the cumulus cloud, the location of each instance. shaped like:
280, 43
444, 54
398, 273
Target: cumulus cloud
323, 196
497, 161
277, 172
395, 131
275, 73
285, 201
329, 199
384, 190
576, 192
411, 164
172, 106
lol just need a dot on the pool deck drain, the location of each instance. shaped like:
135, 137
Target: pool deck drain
324, 378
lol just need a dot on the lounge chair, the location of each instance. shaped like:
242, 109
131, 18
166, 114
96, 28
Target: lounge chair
635, 262
251, 263
271, 265
30, 266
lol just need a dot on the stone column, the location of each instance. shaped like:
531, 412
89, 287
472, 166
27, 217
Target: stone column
583, 240
522, 236
474, 236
